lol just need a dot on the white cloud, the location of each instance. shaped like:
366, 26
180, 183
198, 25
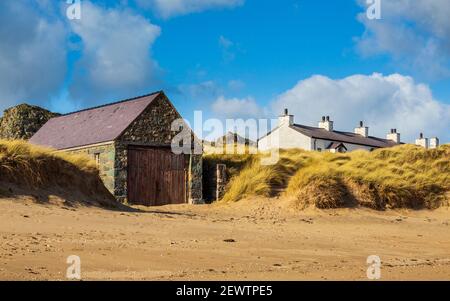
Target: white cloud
236, 85
228, 49
383, 102
170, 8
237, 107
415, 33
225, 43
116, 52
206, 90
32, 52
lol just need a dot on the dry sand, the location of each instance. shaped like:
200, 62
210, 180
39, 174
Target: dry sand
251, 240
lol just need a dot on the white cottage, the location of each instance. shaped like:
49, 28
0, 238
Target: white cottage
288, 135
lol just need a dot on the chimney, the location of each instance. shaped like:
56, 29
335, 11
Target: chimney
326, 124
362, 130
394, 136
434, 142
422, 141
286, 119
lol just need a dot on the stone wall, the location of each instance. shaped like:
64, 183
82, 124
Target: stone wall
23, 121
221, 180
195, 182
120, 171
212, 180
215, 183
106, 162
153, 128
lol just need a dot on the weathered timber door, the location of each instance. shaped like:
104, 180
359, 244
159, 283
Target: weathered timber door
156, 176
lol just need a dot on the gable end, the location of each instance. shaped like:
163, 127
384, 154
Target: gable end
153, 125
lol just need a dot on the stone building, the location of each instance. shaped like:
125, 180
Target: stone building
131, 142
325, 137
23, 121
234, 138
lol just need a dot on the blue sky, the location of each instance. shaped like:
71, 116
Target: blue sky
237, 58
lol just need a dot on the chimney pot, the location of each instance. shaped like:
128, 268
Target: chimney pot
362, 130
326, 123
422, 141
393, 136
286, 119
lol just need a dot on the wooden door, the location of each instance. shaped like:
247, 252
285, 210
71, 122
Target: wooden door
156, 177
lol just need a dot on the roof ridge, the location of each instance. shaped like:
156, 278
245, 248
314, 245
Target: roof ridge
336, 131
348, 135
110, 104
308, 126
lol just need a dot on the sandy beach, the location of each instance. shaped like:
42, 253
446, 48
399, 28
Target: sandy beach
255, 239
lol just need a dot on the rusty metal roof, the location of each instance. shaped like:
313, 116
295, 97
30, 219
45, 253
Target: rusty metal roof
91, 126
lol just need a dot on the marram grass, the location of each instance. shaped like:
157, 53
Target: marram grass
26, 163
32, 167
406, 176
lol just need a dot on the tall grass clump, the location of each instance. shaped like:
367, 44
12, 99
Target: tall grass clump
21, 162
256, 179
405, 176
33, 167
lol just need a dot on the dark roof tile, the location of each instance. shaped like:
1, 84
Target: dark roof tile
338, 136
90, 126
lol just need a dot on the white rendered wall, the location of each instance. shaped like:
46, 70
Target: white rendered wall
423, 142
433, 143
285, 138
288, 138
363, 131
323, 144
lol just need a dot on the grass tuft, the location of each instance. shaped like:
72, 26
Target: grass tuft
406, 176
34, 167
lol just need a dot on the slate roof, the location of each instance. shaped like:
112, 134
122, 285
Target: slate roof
345, 137
91, 126
230, 139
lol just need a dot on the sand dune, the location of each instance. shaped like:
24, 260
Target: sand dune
255, 240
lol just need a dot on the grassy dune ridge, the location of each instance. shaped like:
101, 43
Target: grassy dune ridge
34, 168
406, 176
